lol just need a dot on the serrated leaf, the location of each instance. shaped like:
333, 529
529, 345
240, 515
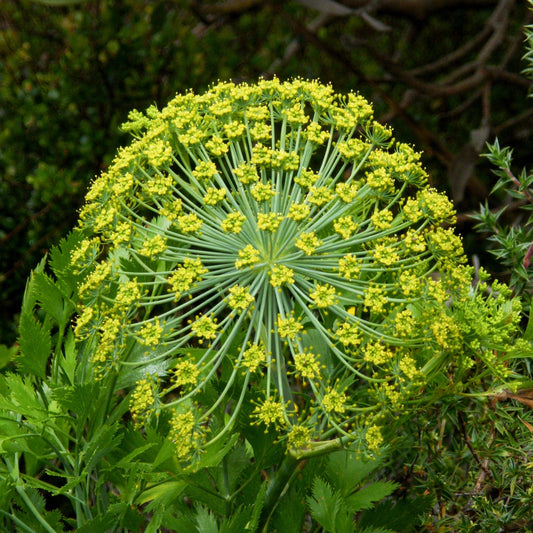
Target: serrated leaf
29, 298
107, 522
257, 509
155, 366
80, 398
60, 262
317, 341
68, 361
325, 504
51, 299
35, 346
235, 463
290, 513
128, 459
214, 453
205, 521
166, 448
103, 441
21, 398
366, 497
398, 515
237, 520
155, 521
7, 354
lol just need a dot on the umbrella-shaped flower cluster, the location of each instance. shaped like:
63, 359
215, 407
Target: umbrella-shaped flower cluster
268, 254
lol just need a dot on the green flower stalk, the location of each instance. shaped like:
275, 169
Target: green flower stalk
269, 254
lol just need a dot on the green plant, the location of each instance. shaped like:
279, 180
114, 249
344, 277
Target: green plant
511, 243
263, 286
271, 244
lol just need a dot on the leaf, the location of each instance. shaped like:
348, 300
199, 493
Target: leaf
214, 453
34, 517
35, 347
128, 459
257, 508
80, 398
21, 398
265, 449
320, 345
237, 521
34, 338
166, 449
60, 262
201, 490
326, 505
399, 515
205, 521
156, 519
106, 522
345, 470
236, 462
167, 491
290, 513
51, 299
7, 354
102, 442
129, 376
68, 362
366, 497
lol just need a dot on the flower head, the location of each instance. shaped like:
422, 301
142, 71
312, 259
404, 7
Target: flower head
269, 240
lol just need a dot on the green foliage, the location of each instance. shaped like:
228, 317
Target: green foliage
343, 492
510, 229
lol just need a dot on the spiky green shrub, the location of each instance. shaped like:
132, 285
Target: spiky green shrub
269, 250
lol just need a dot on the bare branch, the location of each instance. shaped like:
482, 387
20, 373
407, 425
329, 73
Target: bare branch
226, 7
418, 9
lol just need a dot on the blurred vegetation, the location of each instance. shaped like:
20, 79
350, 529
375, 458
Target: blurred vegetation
447, 75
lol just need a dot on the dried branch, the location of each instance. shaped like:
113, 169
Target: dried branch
418, 9
226, 7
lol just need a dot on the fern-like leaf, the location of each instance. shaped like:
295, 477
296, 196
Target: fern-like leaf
328, 508
366, 497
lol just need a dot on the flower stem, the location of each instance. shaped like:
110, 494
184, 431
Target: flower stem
280, 483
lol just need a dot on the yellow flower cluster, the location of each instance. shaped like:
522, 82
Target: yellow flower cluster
274, 238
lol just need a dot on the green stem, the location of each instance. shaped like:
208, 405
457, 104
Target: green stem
289, 467
319, 448
13, 472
